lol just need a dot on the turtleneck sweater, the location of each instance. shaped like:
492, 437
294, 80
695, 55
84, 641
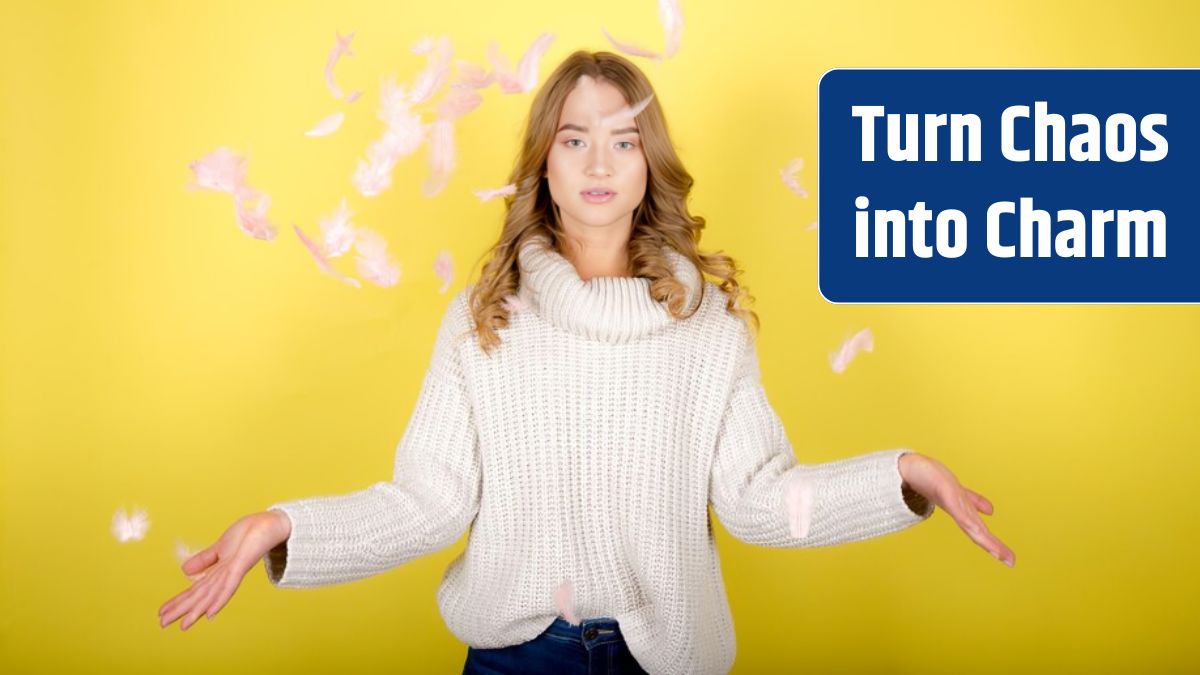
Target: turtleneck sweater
581, 456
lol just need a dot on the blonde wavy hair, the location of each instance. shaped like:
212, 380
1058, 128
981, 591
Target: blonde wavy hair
661, 219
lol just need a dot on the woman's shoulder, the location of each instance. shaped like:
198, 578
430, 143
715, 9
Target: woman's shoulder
716, 304
457, 321
722, 330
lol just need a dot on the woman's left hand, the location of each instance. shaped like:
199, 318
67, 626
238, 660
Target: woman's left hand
933, 481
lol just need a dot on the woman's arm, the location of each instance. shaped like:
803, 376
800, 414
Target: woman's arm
764, 497
430, 501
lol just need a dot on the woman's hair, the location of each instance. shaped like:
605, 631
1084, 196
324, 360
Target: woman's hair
662, 218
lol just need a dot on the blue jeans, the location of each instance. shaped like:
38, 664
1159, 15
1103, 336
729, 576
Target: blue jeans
595, 647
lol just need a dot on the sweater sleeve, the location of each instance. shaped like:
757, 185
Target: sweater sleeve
763, 496
432, 498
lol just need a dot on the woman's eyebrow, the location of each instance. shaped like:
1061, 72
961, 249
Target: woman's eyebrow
576, 127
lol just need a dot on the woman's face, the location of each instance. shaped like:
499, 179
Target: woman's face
593, 151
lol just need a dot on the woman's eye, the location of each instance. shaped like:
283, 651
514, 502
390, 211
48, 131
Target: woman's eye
572, 140
629, 143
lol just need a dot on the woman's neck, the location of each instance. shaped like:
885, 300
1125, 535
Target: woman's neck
598, 254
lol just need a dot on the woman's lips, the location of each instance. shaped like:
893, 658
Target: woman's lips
595, 198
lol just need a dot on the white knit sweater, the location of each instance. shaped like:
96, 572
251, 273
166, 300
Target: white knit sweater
587, 449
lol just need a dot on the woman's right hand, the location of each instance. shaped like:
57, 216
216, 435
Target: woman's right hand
217, 571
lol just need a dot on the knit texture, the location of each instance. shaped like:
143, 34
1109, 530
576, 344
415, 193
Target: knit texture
583, 455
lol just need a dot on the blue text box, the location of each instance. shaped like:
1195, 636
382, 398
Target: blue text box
1130, 179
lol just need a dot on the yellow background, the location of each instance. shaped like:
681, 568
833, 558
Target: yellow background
153, 355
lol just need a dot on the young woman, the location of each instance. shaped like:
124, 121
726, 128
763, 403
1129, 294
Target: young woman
586, 400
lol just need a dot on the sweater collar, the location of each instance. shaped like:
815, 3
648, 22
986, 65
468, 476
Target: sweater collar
609, 309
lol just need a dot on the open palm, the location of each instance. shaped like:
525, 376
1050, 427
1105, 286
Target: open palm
932, 480
217, 571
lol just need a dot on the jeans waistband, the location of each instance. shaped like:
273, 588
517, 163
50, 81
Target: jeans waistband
589, 632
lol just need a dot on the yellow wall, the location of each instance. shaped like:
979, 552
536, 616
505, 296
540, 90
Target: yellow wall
151, 354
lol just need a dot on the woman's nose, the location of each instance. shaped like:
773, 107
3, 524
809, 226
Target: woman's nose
598, 163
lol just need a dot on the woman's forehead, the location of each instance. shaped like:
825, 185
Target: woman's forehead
591, 100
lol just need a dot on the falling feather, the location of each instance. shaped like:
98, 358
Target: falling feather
342, 47
404, 133
630, 48
441, 157
423, 46
859, 342
799, 501
130, 527
788, 174
337, 232
222, 170
591, 98
438, 53
514, 303
371, 178
562, 600
489, 194
527, 68
524, 77
473, 76
328, 125
444, 268
373, 262
459, 101
322, 261
670, 15
182, 554
628, 112
253, 219
182, 551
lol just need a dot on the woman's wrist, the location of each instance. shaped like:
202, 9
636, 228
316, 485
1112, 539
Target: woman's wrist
283, 525
917, 503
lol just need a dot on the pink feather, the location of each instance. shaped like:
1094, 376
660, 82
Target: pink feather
487, 195
632, 49
342, 47
441, 157
788, 174
337, 232
423, 46
222, 170
562, 600
322, 261
527, 68
253, 220
373, 177
670, 15
327, 125
459, 101
862, 341
373, 262
524, 78
131, 527
444, 268
514, 303
626, 113
474, 76
429, 81
799, 501
403, 135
